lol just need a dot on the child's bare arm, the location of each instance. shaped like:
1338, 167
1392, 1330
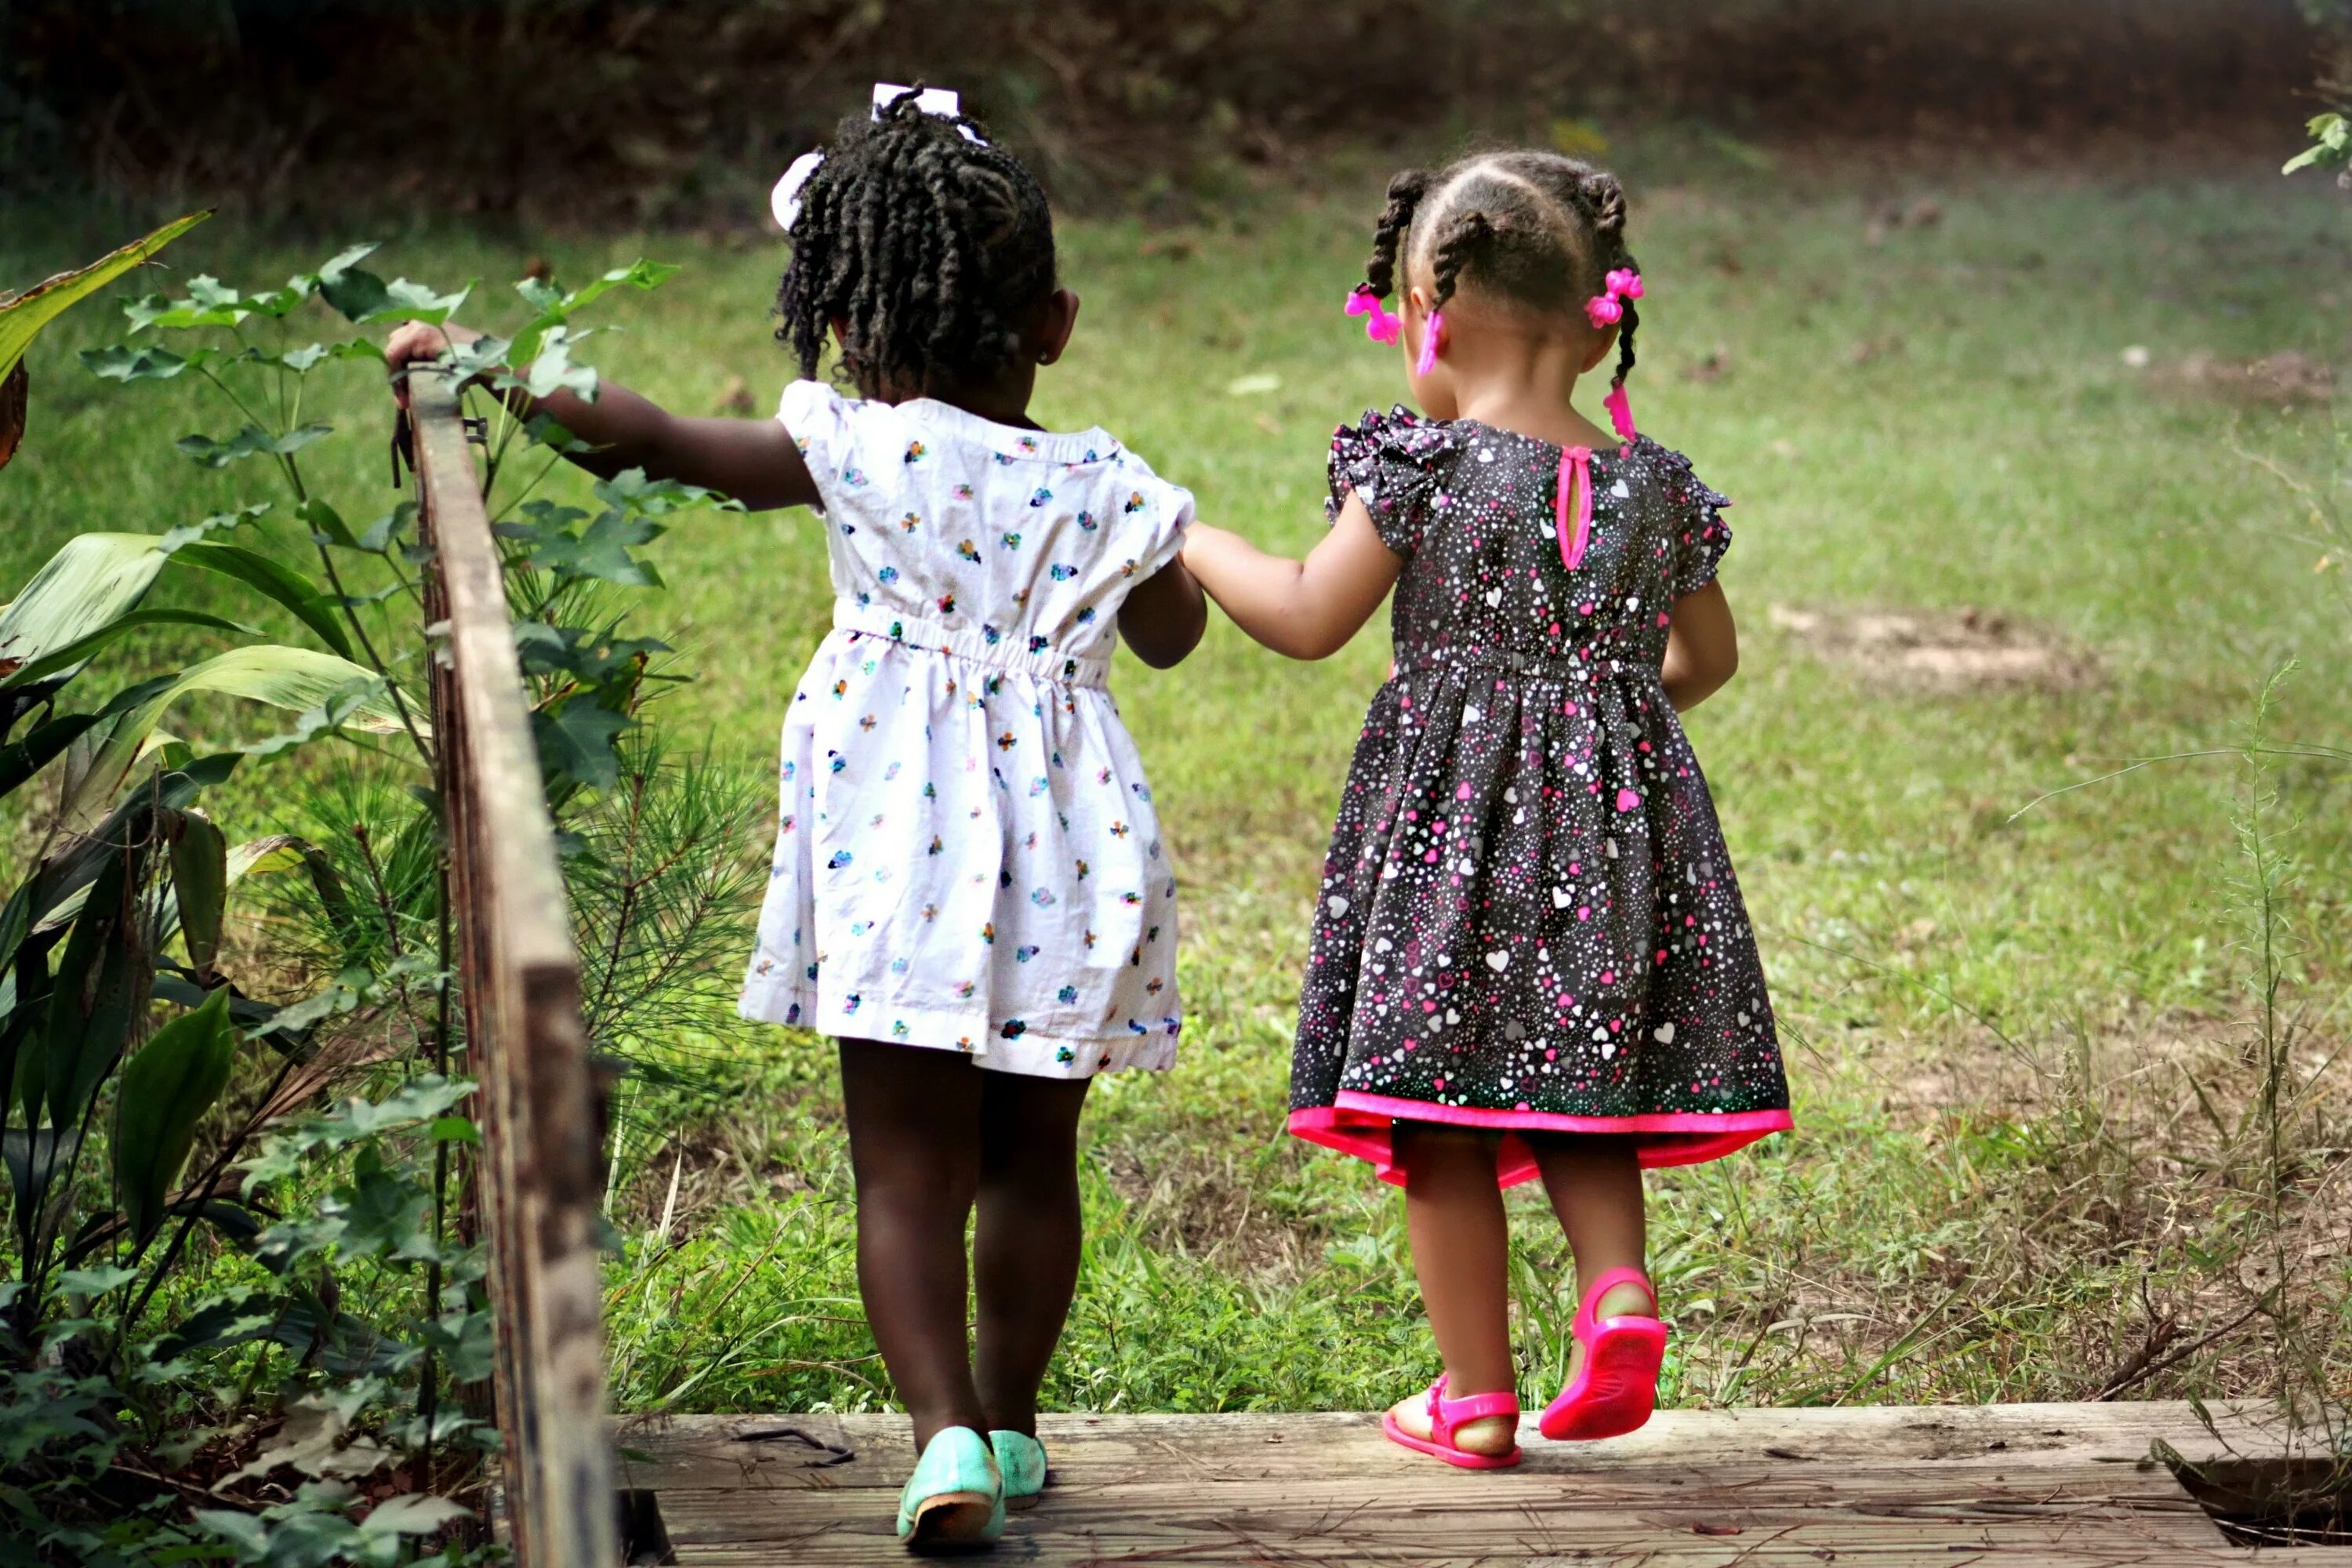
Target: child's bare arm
1701, 648
1163, 620
1305, 610
753, 460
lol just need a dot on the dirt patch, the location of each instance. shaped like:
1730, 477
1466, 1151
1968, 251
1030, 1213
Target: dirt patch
1966, 649
2285, 379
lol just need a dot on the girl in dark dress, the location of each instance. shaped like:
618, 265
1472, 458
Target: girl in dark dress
1530, 955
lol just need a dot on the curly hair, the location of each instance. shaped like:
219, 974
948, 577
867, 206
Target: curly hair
1539, 229
927, 245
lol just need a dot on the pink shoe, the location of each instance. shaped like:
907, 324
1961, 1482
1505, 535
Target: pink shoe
1445, 1415
1617, 1387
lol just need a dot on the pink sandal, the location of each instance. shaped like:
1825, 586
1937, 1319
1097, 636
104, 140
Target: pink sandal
1617, 1387
1445, 1415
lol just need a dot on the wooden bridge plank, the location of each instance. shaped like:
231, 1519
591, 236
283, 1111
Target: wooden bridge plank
831, 1452
1424, 1516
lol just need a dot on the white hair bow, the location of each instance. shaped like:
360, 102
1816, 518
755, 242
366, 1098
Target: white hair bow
785, 200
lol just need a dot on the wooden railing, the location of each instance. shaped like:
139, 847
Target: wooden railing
537, 1179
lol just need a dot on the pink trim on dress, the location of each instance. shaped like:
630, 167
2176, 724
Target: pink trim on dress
1359, 1124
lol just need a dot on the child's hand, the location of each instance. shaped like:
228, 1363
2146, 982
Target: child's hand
417, 343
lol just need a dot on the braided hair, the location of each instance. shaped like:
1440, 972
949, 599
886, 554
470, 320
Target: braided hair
928, 246
1540, 229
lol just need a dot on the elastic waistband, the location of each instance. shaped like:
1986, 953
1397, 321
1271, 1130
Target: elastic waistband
986, 645
1533, 667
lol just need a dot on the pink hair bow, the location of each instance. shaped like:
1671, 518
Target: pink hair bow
1605, 310
1384, 326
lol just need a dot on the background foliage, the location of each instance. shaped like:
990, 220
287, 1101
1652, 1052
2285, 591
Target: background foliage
687, 110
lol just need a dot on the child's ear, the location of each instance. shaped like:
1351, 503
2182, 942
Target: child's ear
1055, 324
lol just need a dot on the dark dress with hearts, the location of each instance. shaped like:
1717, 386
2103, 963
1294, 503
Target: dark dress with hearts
1527, 922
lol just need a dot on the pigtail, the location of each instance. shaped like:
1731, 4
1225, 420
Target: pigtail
1466, 238
1404, 196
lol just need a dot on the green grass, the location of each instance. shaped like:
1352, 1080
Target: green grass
1946, 1224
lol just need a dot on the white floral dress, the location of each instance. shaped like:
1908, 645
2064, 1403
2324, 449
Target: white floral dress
967, 856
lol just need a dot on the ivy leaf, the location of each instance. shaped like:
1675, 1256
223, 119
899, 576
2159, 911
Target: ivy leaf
385, 1212
576, 742
252, 441
365, 299
149, 361
600, 550
209, 302
580, 652
411, 1513
631, 491
302, 360
551, 370
466, 1342
554, 306
385, 531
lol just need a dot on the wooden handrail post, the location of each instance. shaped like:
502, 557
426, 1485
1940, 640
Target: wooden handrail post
537, 1174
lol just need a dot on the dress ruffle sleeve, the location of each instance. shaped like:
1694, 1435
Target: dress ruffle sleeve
1701, 536
1390, 461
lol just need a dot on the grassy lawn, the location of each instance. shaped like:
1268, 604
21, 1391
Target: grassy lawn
2016, 1041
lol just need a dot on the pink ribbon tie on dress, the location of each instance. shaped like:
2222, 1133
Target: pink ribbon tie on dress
1575, 473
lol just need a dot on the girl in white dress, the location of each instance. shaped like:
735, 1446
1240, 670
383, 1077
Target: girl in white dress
969, 890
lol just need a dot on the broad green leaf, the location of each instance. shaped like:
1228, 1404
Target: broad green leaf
166, 1088
343, 707
200, 886
94, 1281
67, 874
15, 392
294, 679
100, 989
22, 318
265, 856
172, 539
93, 579
311, 604
20, 759
252, 441
74, 655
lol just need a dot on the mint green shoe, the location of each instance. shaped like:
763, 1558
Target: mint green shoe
955, 1499
1020, 1460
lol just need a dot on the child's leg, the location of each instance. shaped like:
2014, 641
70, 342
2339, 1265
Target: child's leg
914, 1144
1026, 1243
1594, 1182
1461, 1248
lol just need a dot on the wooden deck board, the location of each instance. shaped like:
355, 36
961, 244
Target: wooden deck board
2020, 1483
